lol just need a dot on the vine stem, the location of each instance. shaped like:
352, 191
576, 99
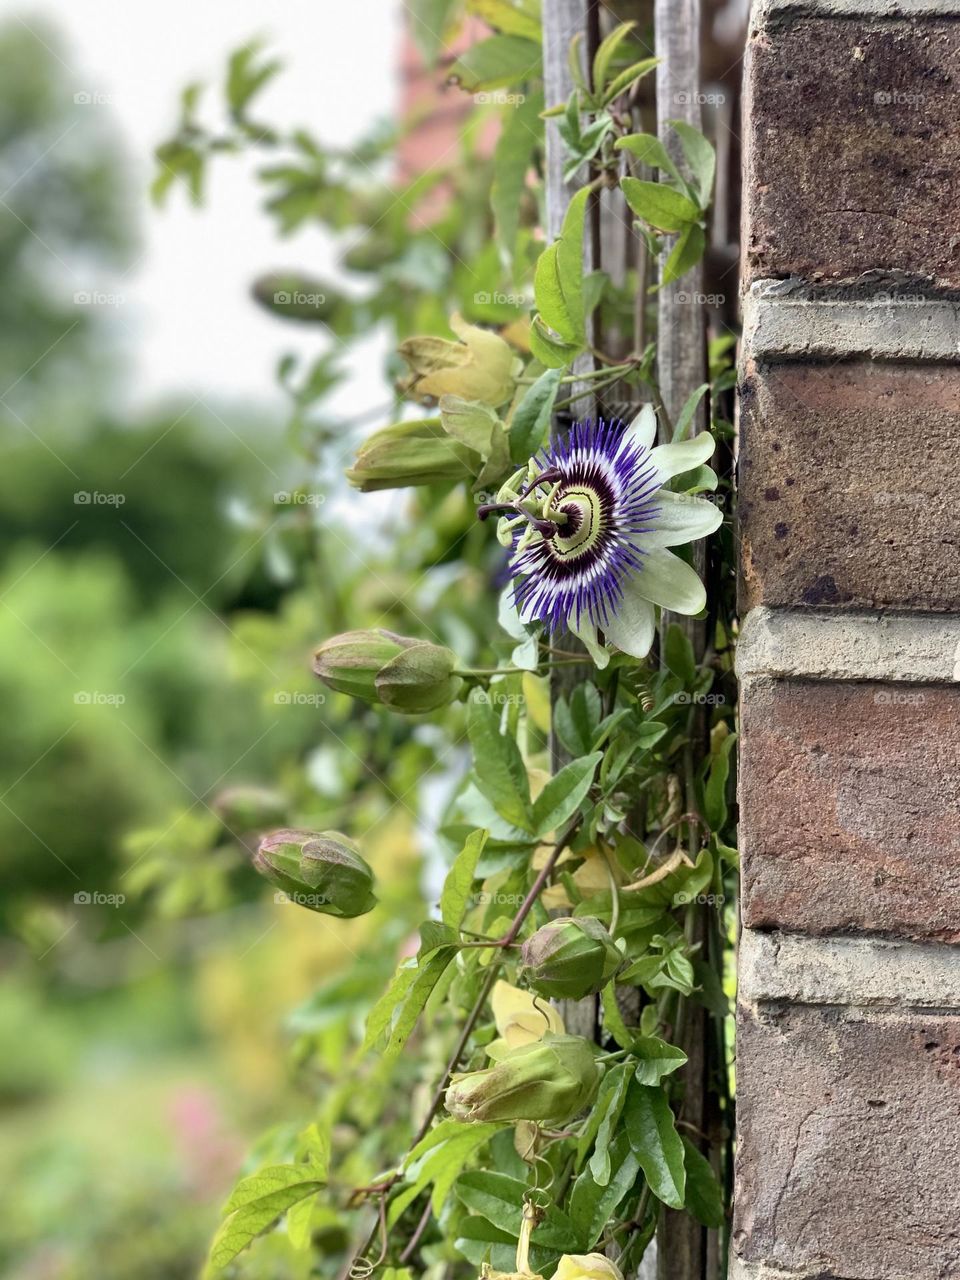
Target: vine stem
502, 944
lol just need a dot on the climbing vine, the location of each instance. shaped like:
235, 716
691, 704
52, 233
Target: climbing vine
514, 1096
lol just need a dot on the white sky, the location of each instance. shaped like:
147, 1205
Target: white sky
187, 317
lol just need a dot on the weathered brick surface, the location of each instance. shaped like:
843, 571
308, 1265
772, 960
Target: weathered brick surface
853, 148
849, 1142
850, 807
843, 499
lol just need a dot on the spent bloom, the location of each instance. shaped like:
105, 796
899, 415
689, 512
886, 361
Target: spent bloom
591, 530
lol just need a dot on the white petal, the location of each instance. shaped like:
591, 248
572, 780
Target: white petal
673, 459
643, 429
670, 582
585, 630
680, 518
633, 628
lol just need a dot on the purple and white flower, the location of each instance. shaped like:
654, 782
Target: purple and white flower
591, 530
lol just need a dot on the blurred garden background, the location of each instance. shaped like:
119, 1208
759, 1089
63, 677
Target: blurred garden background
213, 233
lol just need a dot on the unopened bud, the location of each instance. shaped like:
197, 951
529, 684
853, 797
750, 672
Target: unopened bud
412, 453
569, 958
318, 870
411, 676
550, 1081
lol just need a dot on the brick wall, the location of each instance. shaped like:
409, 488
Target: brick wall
848, 1057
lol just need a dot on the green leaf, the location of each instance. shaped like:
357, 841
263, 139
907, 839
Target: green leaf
613, 1019
499, 1198
626, 79
395, 1014
606, 53
546, 348
510, 18
593, 1205
659, 205
678, 654
480, 1241
704, 1198
656, 1059
654, 1139
649, 150
245, 77
715, 792
498, 765
576, 720
428, 22
512, 157
686, 253
700, 156
258, 1201
531, 418
561, 797
548, 292
441, 1157
459, 881
570, 260
600, 1164
497, 62
687, 413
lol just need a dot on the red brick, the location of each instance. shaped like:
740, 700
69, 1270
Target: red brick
849, 1142
844, 492
853, 148
850, 807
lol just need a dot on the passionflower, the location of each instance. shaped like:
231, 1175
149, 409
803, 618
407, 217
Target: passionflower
590, 529
586, 1266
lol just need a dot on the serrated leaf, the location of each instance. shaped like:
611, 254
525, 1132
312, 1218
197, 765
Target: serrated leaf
546, 348
459, 881
258, 1201
654, 1140
561, 797
659, 205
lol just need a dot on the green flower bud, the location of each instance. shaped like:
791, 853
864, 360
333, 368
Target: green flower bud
550, 1080
317, 870
412, 453
570, 958
410, 676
